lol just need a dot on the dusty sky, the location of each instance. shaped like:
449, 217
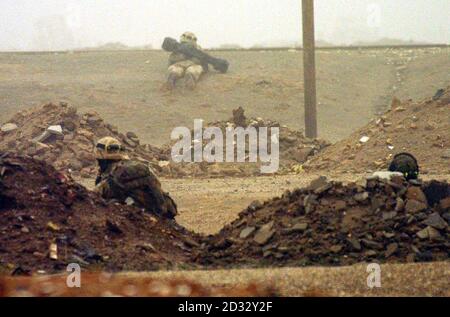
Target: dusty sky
67, 24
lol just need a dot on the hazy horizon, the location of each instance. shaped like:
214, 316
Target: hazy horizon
27, 25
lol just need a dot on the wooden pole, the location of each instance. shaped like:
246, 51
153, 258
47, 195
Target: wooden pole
309, 65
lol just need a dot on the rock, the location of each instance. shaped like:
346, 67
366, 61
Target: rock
317, 183
371, 244
69, 124
388, 235
336, 248
112, 128
391, 249
302, 155
445, 203
361, 197
435, 221
339, 205
299, 227
399, 205
55, 129
415, 193
446, 216
428, 233
414, 206
264, 234
255, 205
354, 243
86, 158
309, 202
93, 118
132, 135
247, 232
370, 253
389, 215
53, 227
86, 133
9, 127
75, 165
433, 234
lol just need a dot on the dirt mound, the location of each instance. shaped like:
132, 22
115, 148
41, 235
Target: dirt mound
421, 129
108, 285
294, 150
48, 221
330, 223
60, 136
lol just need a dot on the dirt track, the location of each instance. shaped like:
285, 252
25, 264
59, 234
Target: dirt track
396, 280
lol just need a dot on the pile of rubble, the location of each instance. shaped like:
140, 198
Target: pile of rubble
421, 129
59, 135
330, 223
48, 221
294, 148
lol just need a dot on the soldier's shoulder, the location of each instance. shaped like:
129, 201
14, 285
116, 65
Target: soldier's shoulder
131, 169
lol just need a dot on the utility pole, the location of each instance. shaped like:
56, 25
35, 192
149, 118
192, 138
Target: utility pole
309, 68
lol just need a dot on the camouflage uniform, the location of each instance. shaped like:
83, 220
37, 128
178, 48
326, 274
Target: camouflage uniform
181, 66
129, 181
125, 180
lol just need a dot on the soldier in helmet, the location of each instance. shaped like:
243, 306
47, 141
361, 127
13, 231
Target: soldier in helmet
180, 66
128, 181
406, 164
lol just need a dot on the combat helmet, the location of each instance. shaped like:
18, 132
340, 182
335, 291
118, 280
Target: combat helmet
406, 164
188, 37
109, 148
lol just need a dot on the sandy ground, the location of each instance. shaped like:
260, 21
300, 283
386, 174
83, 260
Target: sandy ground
124, 87
396, 280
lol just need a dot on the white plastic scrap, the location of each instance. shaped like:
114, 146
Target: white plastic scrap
364, 139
